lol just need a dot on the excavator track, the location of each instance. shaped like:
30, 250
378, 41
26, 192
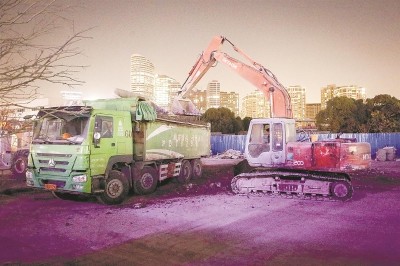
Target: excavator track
298, 184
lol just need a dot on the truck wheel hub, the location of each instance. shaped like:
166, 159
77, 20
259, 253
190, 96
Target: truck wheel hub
147, 180
20, 166
114, 188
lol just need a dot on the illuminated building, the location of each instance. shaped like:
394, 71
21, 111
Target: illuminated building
142, 76
352, 91
255, 105
298, 101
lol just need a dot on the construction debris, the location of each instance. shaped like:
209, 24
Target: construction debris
229, 154
386, 154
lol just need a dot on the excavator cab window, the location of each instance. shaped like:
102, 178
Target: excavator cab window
266, 134
277, 137
259, 139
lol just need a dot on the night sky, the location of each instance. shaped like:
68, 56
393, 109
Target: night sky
307, 42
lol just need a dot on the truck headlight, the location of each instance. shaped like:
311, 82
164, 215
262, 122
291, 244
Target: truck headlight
29, 178
29, 175
79, 179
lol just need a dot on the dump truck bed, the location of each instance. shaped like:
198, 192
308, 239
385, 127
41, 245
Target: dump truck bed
164, 139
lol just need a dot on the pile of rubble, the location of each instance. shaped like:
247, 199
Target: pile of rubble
229, 154
386, 154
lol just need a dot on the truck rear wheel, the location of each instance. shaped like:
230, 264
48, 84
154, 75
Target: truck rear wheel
147, 181
186, 172
116, 189
197, 168
19, 163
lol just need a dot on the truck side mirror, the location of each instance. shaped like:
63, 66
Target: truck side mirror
96, 139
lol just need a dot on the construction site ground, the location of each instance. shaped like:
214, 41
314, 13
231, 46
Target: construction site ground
204, 223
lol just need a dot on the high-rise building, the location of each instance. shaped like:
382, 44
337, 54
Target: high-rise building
230, 100
199, 99
312, 109
255, 105
142, 76
174, 87
298, 101
327, 94
165, 90
352, 91
213, 94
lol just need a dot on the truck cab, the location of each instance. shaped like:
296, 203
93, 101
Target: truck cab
72, 144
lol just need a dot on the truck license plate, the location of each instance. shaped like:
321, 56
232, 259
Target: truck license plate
50, 186
287, 187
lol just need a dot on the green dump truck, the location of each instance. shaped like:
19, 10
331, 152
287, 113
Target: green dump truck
110, 147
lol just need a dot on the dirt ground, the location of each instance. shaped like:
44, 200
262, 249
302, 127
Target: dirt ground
203, 223
217, 178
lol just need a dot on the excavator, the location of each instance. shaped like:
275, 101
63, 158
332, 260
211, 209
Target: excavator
280, 165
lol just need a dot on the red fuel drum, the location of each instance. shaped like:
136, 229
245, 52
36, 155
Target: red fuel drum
337, 154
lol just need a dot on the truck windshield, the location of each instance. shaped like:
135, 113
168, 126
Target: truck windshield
60, 130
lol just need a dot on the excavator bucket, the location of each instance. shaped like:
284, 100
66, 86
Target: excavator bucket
182, 106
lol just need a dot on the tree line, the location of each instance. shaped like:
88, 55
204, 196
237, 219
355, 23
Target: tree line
223, 120
376, 115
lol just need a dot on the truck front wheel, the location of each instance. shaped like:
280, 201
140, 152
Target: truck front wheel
116, 189
19, 163
146, 183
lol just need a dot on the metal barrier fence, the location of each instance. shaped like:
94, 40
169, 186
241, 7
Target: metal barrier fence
221, 143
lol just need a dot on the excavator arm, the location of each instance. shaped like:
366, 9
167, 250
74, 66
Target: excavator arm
255, 73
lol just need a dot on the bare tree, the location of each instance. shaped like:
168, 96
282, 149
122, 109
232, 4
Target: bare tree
37, 44
29, 51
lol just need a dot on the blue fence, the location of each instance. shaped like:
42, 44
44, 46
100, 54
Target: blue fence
221, 143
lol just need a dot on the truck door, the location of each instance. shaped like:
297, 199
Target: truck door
104, 144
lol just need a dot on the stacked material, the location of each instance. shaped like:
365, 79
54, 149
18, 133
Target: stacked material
386, 154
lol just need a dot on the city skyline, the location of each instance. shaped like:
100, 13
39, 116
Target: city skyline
255, 105
143, 75
307, 43
162, 89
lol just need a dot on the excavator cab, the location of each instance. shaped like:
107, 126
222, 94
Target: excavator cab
266, 141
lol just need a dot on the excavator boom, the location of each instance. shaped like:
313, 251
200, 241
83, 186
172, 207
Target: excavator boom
254, 73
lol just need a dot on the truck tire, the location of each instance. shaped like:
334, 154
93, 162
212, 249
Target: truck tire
197, 169
19, 163
146, 183
186, 172
116, 189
